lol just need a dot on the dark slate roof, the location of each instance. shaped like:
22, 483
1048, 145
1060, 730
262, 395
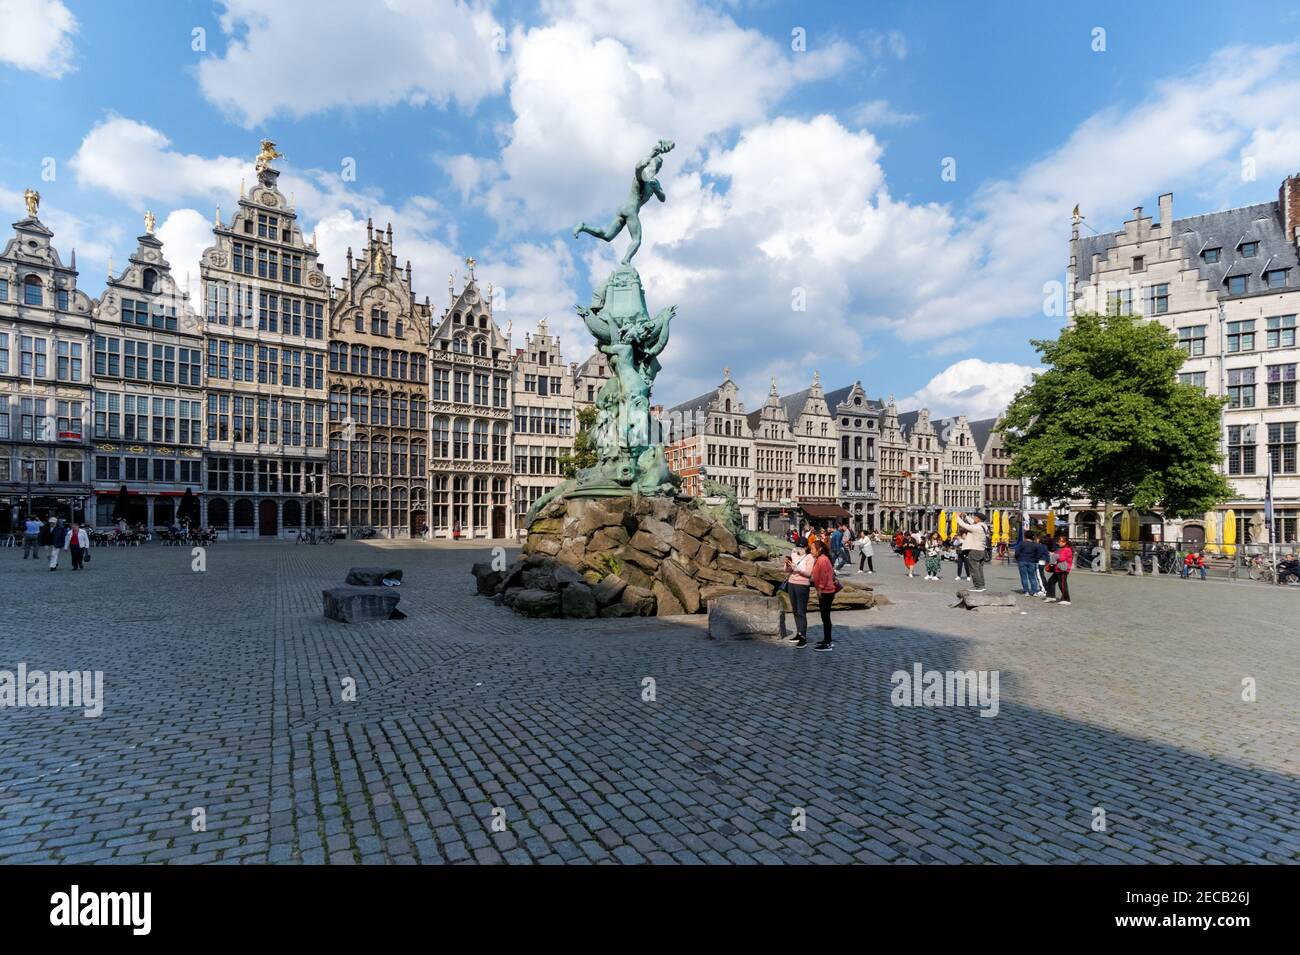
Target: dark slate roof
754, 418
834, 399
1224, 230
793, 404
695, 404
982, 431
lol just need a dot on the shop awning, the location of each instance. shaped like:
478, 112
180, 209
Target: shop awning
825, 512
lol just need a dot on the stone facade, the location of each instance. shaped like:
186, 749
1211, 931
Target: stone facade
817, 443
858, 423
266, 303
713, 432
588, 378
378, 396
470, 366
147, 370
923, 471
45, 381
892, 507
961, 466
545, 420
774, 455
1228, 285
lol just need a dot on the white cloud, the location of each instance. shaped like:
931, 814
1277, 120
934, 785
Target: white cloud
37, 36
299, 57
91, 237
878, 112
134, 162
971, 387
185, 233
595, 88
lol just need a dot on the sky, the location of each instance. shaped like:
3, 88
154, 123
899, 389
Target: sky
876, 192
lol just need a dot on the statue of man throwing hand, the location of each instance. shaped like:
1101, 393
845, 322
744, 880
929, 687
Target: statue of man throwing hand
645, 185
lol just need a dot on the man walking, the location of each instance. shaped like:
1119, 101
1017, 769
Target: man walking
57, 535
1027, 561
974, 545
31, 533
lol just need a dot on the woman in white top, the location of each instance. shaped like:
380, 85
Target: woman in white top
865, 553
799, 567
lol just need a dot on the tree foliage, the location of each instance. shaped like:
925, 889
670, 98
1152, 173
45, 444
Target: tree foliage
584, 445
1109, 420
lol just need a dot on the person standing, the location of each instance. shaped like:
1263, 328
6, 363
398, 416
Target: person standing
933, 557
974, 544
865, 553
45, 538
1060, 568
823, 578
78, 543
799, 568
909, 555
58, 534
31, 534
838, 557
1026, 555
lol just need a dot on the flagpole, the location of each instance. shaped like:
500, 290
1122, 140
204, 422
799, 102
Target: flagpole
1268, 516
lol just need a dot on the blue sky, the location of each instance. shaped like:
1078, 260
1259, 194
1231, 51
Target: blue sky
811, 174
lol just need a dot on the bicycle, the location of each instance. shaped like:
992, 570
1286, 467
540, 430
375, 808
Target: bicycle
1259, 568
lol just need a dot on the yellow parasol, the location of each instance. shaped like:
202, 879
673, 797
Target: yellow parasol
1051, 523
943, 525
996, 536
1230, 532
1212, 531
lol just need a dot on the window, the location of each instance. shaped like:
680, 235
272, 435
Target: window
1236, 284
1249, 249
32, 356
1192, 340
1280, 331
1241, 336
1281, 447
4, 353
1139, 263
1276, 278
1241, 387
4, 290
1281, 385
68, 365
1119, 302
1196, 378
1211, 255
1155, 300
32, 291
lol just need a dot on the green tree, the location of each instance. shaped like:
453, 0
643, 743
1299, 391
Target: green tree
1109, 420
584, 445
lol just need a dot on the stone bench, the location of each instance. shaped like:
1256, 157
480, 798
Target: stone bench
991, 602
372, 576
350, 604
744, 617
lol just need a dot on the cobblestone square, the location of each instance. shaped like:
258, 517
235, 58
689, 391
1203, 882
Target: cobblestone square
223, 694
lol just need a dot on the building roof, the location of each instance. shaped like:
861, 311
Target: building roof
982, 431
1224, 230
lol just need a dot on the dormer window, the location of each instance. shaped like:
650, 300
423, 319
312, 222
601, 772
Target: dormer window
1276, 278
1236, 284
1211, 255
1249, 249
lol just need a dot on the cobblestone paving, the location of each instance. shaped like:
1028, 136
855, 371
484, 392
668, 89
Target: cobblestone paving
223, 693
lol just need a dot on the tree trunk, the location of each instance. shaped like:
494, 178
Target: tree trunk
1107, 532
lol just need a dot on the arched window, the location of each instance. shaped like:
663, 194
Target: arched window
338, 505
480, 440
379, 363
460, 440
399, 509
379, 506
338, 453
401, 369
417, 460
397, 327
338, 403
32, 293
360, 406
480, 347
359, 457
360, 505
359, 322
378, 455
440, 437
338, 356
500, 442
399, 458
379, 408
460, 345
399, 410
149, 280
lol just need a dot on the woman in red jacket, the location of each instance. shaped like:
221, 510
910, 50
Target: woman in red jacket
823, 578
1060, 567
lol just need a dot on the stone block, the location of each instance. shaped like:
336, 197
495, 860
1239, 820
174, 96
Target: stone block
350, 604
647, 543
683, 586
609, 590
990, 602
487, 581
714, 591
374, 576
578, 600
531, 602
666, 602
744, 617
641, 599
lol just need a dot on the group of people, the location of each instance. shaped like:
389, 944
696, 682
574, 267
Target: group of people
810, 566
54, 537
970, 546
1044, 568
